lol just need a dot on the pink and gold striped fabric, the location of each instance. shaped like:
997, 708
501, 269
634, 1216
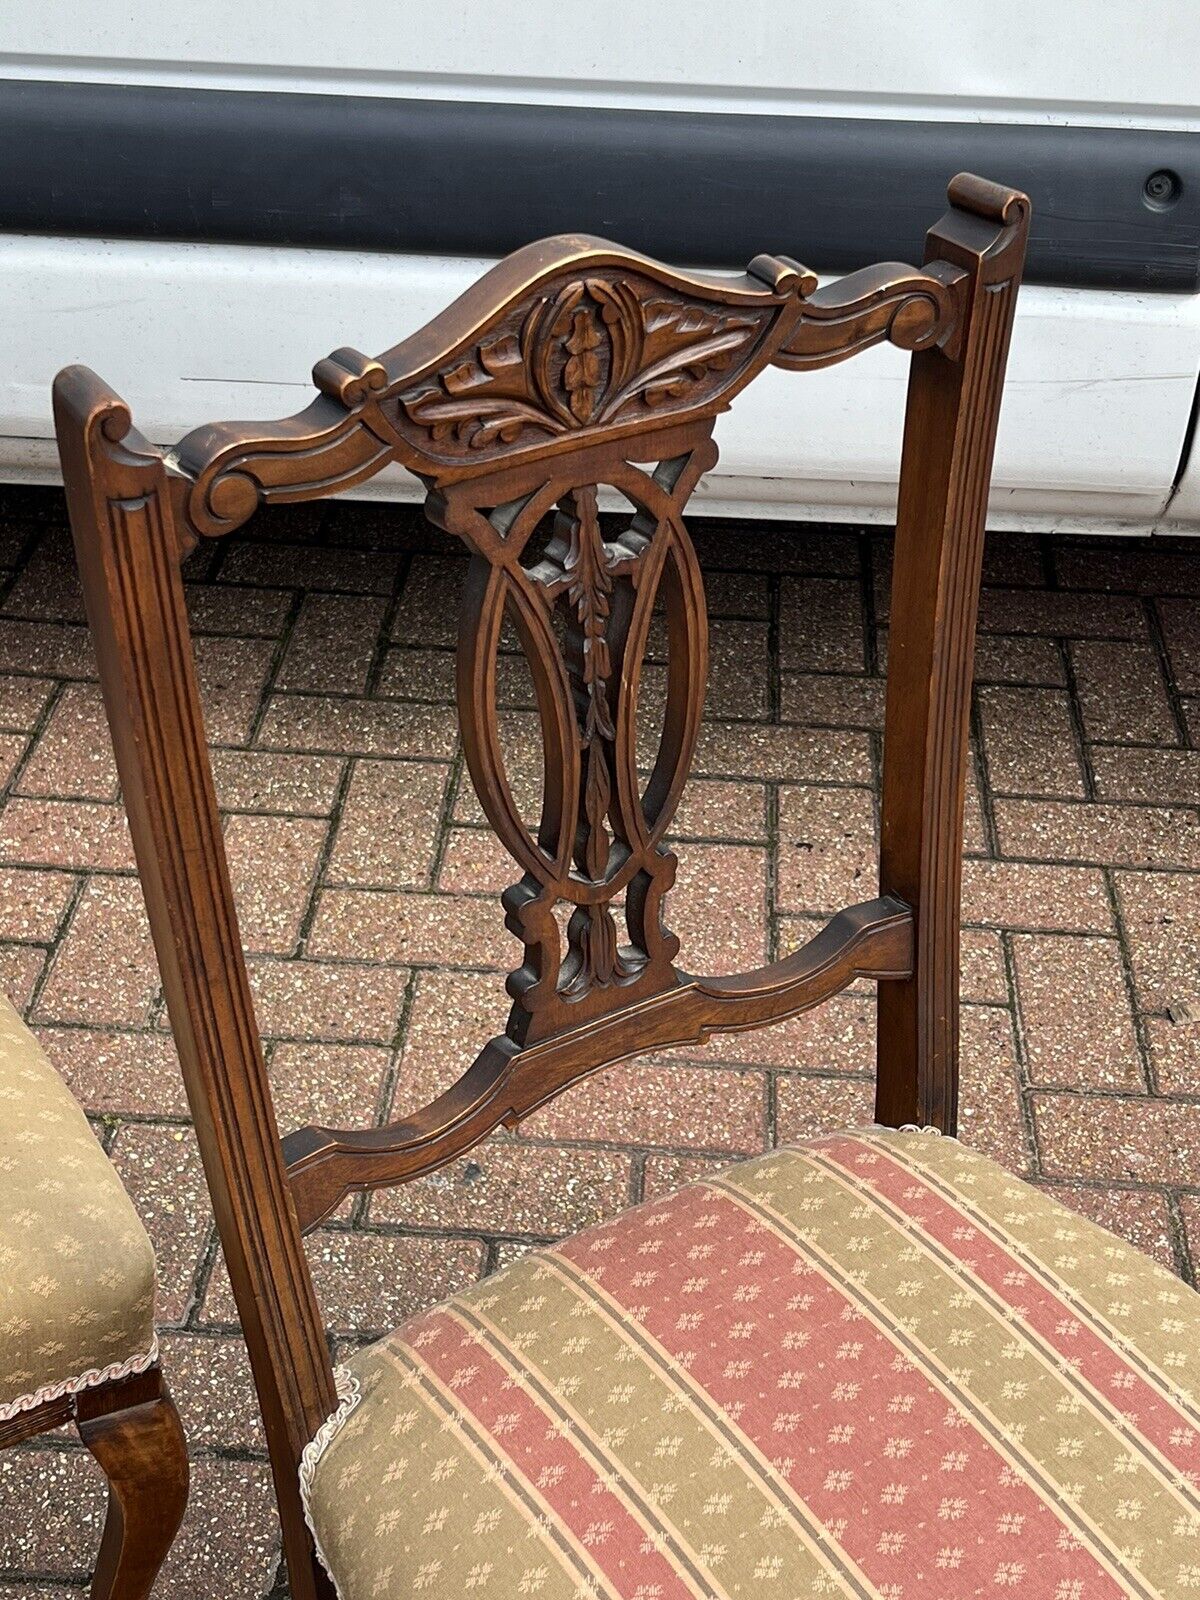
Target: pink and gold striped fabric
872, 1365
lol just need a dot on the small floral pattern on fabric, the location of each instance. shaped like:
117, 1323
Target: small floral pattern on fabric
76, 1266
873, 1365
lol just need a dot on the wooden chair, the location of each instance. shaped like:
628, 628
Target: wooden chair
870, 1365
77, 1341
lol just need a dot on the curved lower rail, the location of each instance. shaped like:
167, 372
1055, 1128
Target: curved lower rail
506, 1082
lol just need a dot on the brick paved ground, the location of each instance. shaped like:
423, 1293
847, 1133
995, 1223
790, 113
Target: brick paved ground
367, 890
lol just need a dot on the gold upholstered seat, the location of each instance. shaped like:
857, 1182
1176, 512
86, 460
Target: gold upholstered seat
76, 1266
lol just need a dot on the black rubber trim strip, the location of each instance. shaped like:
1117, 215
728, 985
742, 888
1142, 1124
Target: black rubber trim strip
479, 179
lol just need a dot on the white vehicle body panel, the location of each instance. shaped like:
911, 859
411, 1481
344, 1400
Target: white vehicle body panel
1039, 60
196, 332
1102, 383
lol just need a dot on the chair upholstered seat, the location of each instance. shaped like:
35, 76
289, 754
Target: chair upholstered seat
76, 1266
870, 1365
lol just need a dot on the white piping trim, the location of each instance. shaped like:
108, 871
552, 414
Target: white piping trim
86, 1380
907, 1127
349, 1393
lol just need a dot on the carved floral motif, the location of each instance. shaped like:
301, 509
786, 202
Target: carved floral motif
580, 358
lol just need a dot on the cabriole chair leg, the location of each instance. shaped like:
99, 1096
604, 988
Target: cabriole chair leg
133, 1430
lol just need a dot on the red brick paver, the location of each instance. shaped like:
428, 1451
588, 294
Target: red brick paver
368, 890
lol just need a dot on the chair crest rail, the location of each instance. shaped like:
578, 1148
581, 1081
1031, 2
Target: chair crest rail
565, 342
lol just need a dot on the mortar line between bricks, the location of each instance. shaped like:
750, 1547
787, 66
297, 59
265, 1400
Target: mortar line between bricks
446, 823
1158, 644
1075, 717
432, 648
771, 1109
208, 631
1129, 979
33, 738
1049, 565
349, 697
774, 659
202, 1275
278, 654
976, 755
1017, 1032
65, 923
1133, 1097
1052, 635
273, 586
1180, 1241
383, 641
774, 845
220, 560
199, 1452
1140, 744
1109, 1185
1084, 864
388, 1084
1191, 807
324, 856
45, 1580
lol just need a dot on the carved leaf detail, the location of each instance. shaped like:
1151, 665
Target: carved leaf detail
595, 958
683, 344
581, 358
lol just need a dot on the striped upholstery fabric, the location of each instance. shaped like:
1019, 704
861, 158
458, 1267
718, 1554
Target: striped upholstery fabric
871, 1365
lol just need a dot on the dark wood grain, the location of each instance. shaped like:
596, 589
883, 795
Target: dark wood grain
132, 1428
949, 439
135, 1435
574, 366
506, 1083
121, 496
28, 1424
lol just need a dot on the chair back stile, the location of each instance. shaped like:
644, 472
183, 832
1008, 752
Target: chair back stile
572, 366
946, 467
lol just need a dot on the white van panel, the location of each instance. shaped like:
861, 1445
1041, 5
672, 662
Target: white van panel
1040, 60
1091, 433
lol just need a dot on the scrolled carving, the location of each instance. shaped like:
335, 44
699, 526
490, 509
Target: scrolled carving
569, 341
349, 376
906, 307
597, 350
233, 471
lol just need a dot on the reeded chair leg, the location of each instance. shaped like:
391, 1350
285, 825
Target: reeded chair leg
133, 1430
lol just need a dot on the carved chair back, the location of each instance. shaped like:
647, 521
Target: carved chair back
570, 366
